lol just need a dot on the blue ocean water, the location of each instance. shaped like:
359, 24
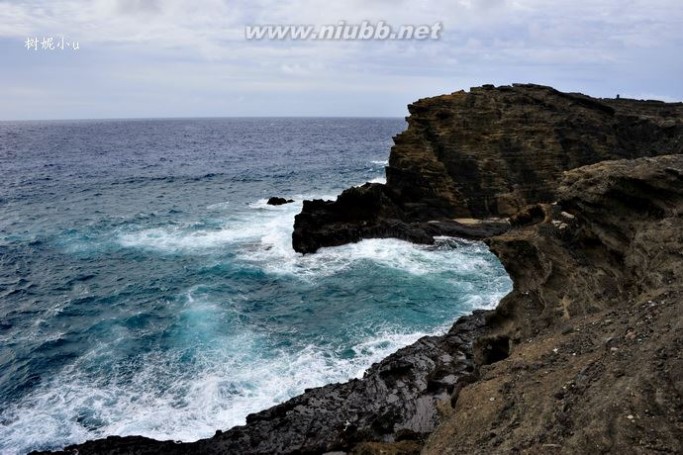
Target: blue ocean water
147, 288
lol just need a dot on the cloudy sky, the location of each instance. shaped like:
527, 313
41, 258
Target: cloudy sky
179, 58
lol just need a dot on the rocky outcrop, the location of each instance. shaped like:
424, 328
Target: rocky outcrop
613, 233
592, 334
369, 212
486, 153
275, 200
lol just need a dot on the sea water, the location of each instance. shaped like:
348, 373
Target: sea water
147, 288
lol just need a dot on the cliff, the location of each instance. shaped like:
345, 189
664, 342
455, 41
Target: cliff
484, 154
583, 356
592, 335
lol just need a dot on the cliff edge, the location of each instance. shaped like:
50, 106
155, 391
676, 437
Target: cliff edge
486, 154
585, 355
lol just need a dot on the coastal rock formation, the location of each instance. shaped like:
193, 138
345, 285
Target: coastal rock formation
275, 200
369, 212
487, 153
592, 334
583, 356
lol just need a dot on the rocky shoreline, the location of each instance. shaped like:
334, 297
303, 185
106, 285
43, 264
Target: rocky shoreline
582, 201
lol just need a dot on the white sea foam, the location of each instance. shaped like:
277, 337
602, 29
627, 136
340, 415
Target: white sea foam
275, 255
219, 206
178, 239
262, 236
167, 400
249, 224
381, 180
244, 227
381, 162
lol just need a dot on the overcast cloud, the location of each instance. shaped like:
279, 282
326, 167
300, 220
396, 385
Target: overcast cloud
174, 58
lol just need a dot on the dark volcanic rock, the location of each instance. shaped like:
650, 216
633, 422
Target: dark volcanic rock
359, 212
489, 153
278, 201
369, 211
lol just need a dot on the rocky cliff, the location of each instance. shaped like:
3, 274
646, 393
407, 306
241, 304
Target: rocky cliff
591, 337
583, 356
483, 154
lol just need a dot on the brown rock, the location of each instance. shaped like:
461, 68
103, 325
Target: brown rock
489, 153
604, 273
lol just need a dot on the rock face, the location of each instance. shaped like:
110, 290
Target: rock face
610, 222
593, 328
488, 153
369, 212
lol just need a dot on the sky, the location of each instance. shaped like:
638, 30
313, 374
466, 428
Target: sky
179, 58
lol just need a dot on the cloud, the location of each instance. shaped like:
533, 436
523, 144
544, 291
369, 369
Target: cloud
215, 28
587, 45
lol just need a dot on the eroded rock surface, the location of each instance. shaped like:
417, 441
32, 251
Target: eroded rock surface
486, 153
594, 325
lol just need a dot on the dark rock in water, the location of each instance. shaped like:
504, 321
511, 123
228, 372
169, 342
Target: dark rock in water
489, 153
278, 201
359, 212
369, 211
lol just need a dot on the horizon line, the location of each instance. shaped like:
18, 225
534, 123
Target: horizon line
82, 119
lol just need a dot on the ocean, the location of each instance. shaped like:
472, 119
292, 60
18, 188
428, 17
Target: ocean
147, 288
